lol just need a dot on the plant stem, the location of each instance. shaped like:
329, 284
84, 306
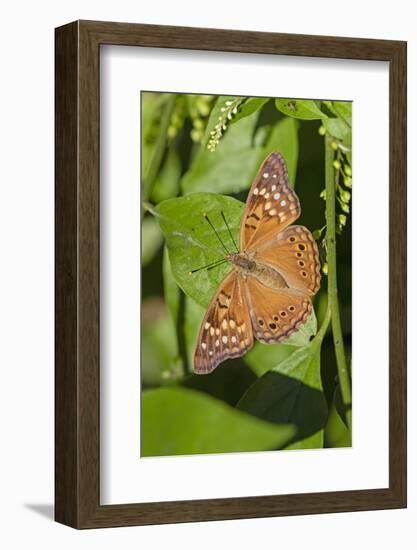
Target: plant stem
158, 149
344, 379
318, 339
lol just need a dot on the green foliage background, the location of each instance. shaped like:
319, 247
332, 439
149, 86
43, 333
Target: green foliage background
200, 155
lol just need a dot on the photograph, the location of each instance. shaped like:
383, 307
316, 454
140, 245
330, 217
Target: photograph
246, 273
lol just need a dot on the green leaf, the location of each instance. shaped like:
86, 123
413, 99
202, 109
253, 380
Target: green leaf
344, 110
336, 434
250, 106
229, 174
292, 393
227, 383
231, 167
304, 109
264, 357
179, 421
167, 182
151, 239
284, 139
194, 314
192, 243
338, 128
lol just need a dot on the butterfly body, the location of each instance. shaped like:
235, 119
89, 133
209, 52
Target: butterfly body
247, 266
267, 294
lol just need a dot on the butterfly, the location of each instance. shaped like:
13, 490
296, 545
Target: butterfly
267, 294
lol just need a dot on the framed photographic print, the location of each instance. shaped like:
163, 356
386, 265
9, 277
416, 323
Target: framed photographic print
230, 274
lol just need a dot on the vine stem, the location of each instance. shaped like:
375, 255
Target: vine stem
318, 339
343, 374
159, 148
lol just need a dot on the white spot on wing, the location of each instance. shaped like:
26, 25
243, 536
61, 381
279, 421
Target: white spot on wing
283, 203
224, 339
277, 196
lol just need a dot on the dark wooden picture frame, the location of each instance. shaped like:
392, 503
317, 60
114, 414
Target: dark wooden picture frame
77, 372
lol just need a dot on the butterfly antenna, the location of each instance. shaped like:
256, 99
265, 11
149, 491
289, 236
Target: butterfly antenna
230, 233
209, 266
217, 235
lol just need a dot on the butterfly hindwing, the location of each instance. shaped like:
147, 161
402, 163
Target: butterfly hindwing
294, 253
272, 204
226, 329
275, 314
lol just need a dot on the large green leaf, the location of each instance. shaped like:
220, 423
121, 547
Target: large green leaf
227, 383
192, 243
264, 357
292, 393
304, 109
284, 138
223, 174
250, 106
231, 167
178, 421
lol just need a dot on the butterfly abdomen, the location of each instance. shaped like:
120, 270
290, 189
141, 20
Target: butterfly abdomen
265, 274
269, 276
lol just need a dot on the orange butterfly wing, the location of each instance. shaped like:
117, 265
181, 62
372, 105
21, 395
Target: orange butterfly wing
226, 330
271, 204
294, 253
275, 314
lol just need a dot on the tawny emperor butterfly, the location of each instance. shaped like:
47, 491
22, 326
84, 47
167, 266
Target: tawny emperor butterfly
277, 271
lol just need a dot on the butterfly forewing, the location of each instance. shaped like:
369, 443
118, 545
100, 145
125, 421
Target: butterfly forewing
275, 314
271, 205
294, 253
226, 329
